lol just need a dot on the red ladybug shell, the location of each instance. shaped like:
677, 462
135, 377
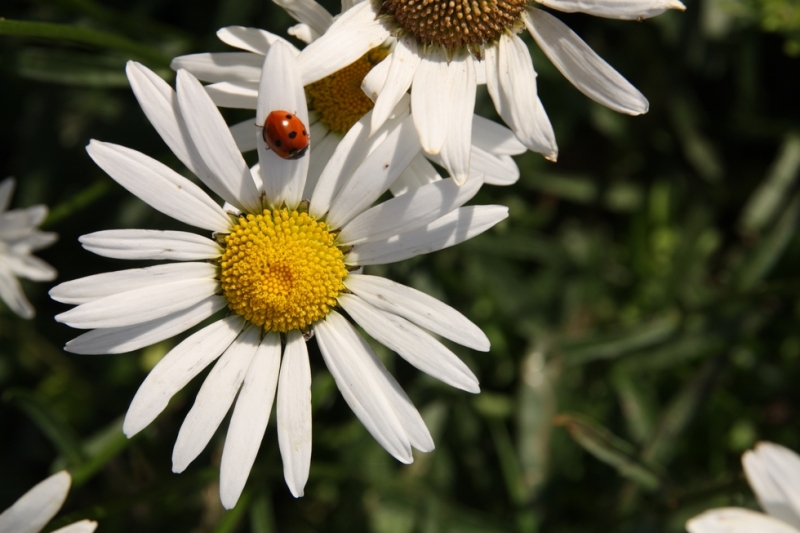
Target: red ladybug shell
285, 134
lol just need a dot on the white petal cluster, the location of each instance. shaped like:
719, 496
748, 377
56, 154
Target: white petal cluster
774, 475
19, 238
478, 148
130, 309
443, 84
32, 512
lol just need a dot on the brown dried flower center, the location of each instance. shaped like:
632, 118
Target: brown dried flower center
454, 23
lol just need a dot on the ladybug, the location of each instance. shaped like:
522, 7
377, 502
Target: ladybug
285, 134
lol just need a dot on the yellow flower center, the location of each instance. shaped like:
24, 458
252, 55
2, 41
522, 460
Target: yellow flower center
338, 98
455, 23
281, 269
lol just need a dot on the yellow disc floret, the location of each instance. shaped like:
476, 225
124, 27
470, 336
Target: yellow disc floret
338, 98
281, 269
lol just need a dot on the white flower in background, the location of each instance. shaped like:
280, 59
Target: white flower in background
337, 103
774, 475
443, 49
19, 238
282, 257
39, 505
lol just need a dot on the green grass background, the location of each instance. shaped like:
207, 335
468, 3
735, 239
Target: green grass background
643, 298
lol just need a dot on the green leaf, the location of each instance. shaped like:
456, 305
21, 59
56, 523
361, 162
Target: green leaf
59, 433
99, 449
536, 406
77, 34
676, 417
71, 68
608, 448
765, 201
81, 200
612, 346
761, 259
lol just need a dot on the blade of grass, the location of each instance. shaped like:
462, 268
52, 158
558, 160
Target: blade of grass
77, 34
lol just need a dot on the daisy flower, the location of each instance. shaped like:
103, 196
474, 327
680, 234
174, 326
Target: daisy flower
338, 103
32, 512
285, 262
774, 475
442, 49
19, 238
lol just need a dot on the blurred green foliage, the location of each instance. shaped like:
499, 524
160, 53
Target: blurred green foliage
642, 299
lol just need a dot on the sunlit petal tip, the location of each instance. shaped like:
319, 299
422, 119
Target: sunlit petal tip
676, 4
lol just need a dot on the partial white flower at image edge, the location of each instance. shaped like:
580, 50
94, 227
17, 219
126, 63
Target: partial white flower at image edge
281, 258
773, 472
34, 510
19, 238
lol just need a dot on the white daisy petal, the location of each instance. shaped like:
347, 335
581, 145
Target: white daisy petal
158, 185
150, 244
453, 228
35, 241
12, 295
99, 286
160, 104
215, 398
308, 12
511, 82
410, 342
456, 149
349, 152
582, 66
419, 308
213, 139
408, 211
294, 413
84, 526
177, 368
21, 223
303, 32
374, 176
418, 173
353, 365
402, 64
480, 72
430, 99
249, 419
242, 134
128, 339
6, 191
139, 305
375, 79
496, 170
30, 267
221, 66
236, 95
281, 89
355, 32
615, 9
736, 520
494, 138
35, 508
773, 472
323, 147
250, 39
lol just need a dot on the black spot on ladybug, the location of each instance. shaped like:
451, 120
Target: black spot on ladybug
292, 134
288, 117
305, 134
277, 142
